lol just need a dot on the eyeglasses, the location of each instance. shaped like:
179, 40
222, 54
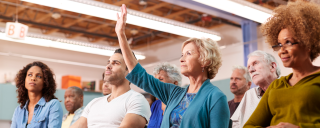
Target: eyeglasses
288, 44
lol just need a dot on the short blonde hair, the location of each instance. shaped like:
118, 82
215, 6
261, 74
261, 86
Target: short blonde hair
209, 53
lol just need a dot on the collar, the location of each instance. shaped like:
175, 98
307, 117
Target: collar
259, 91
79, 109
41, 102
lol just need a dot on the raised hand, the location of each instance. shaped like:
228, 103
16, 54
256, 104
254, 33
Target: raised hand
121, 20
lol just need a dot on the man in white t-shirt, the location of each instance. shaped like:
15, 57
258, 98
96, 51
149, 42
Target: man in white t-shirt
122, 108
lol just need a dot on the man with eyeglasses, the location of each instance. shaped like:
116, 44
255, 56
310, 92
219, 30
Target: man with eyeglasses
263, 70
122, 108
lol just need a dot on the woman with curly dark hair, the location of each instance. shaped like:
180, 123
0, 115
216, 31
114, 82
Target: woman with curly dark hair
39, 108
292, 101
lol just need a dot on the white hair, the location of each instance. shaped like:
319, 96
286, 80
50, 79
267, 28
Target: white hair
268, 58
172, 71
246, 74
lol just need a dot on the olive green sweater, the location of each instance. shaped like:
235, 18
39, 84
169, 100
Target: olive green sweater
298, 104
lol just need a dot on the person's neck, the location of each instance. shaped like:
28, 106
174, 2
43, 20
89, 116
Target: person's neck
196, 82
238, 98
34, 98
265, 84
118, 90
302, 71
75, 110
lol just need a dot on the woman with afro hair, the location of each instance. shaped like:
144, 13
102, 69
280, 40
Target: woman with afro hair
39, 108
292, 101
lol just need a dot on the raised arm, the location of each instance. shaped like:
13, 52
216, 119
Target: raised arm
129, 58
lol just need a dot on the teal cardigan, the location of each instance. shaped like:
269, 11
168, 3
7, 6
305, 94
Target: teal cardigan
209, 108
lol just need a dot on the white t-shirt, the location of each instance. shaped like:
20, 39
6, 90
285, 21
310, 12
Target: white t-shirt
246, 107
101, 113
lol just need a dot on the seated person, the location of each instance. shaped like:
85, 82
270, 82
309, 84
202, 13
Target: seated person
122, 108
292, 101
167, 73
73, 101
38, 108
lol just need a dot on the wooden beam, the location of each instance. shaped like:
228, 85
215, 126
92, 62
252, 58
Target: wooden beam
119, 3
215, 26
268, 6
148, 9
177, 13
69, 24
42, 18
98, 39
20, 8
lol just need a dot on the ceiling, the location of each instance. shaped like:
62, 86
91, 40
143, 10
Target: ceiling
270, 4
50, 20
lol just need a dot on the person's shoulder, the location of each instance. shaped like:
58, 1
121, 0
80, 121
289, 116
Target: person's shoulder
18, 109
99, 99
230, 101
251, 90
53, 101
215, 91
135, 95
278, 82
214, 94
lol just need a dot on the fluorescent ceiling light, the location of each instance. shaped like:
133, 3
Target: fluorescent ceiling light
107, 11
66, 46
241, 8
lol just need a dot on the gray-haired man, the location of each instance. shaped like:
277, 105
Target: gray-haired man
240, 82
263, 70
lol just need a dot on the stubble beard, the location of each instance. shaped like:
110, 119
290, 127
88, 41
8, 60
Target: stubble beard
116, 79
240, 91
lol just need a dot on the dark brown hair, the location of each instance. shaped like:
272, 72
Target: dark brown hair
49, 84
302, 19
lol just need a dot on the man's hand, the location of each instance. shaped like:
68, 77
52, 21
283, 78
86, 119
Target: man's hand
121, 20
284, 125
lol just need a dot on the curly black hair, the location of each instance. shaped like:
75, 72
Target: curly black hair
49, 84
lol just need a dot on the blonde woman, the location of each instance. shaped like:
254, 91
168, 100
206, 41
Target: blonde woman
201, 104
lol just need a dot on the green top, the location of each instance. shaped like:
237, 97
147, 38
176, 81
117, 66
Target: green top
298, 104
